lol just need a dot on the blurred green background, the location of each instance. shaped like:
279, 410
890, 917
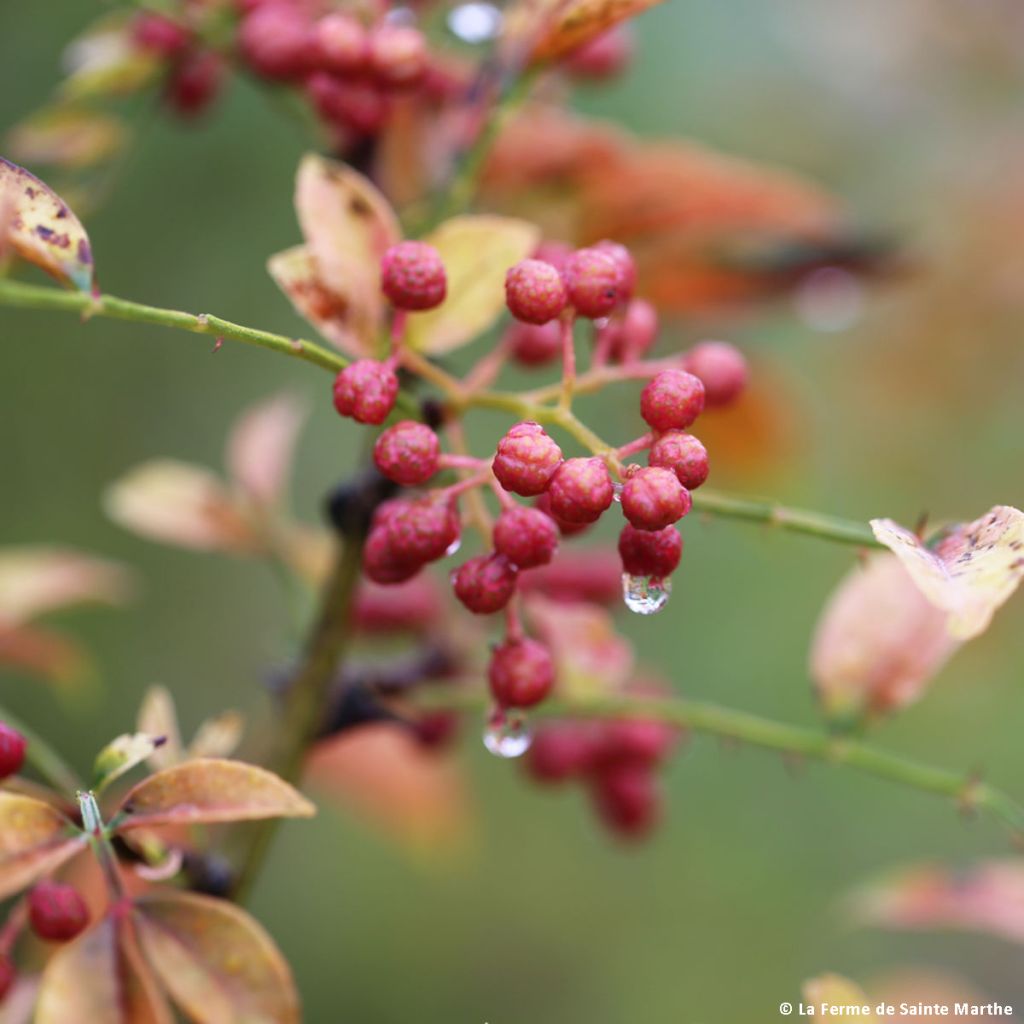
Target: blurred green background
914, 116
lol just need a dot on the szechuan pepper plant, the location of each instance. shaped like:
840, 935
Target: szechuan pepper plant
468, 252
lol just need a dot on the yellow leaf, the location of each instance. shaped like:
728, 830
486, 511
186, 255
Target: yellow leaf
971, 572
69, 137
121, 755
158, 717
35, 839
218, 964
209, 790
477, 253
835, 990
40, 227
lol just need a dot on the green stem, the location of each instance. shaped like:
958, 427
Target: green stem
48, 764
969, 793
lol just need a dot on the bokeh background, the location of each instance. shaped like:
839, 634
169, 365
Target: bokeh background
912, 113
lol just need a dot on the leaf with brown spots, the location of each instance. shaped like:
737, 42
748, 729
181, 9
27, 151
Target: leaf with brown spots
38, 225
477, 253
211, 790
218, 964
35, 839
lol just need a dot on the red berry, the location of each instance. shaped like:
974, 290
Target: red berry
398, 55
521, 673
382, 564
683, 454
526, 460
413, 277
356, 106
532, 344
341, 43
366, 390
534, 291
57, 912
636, 740
412, 608
673, 399
653, 553
634, 334
485, 584
12, 750
625, 266
195, 82
159, 34
276, 41
592, 278
721, 367
7, 975
653, 498
557, 254
436, 729
423, 531
626, 797
593, 576
407, 453
525, 536
543, 504
560, 752
581, 490
604, 56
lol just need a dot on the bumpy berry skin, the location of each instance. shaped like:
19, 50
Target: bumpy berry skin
526, 537
366, 390
341, 43
407, 453
581, 490
526, 460
543, 504
276, 41
633, 336
7, 975
593, 279
57, 912
413, 277
603, 57
534, 292
650, 552
560, 752
422, 531
398, 54
654, 498
626, 797
382, 564
683, 454
485, 584
722, 368
12, 751
672, 400
625, 266
532, 345
521, 673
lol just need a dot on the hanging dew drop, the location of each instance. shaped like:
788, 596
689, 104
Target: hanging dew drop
453, 547
617, 491
507, 735
645, 595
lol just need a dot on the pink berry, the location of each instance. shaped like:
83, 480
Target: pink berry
557, 254
636, 740
673, 399
366, 390
592, 279
383, 564
12, 750
194, 83
276, 41
625, 266
532, 344
353, 106
653, 553
683, 454
626, 797
593, 576
521, 673
560, 751
485, 584
566, 529
398, 55
534, 291
526, 537
341, 43
526, 460
407, 453
653, 498
721, 367
634, 334
57, 912
581, 490
413, 277
605, 56
436, 729
7, 975
411, 608
423, 531
159, 34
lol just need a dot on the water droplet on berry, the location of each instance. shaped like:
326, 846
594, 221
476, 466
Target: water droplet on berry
617, 491
507, 734
645, 595
453, 547
475, 22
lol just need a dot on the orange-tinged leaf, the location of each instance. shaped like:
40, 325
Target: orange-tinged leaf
835, 990
44, 653
878, 643
41, 228
209, 790
477, 253
348, 225
35, 838
261, 447
69, 137
218, 964
389, 781
180, 504
971, 572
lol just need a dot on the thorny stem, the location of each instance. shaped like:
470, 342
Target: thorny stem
969, 793
44, 759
